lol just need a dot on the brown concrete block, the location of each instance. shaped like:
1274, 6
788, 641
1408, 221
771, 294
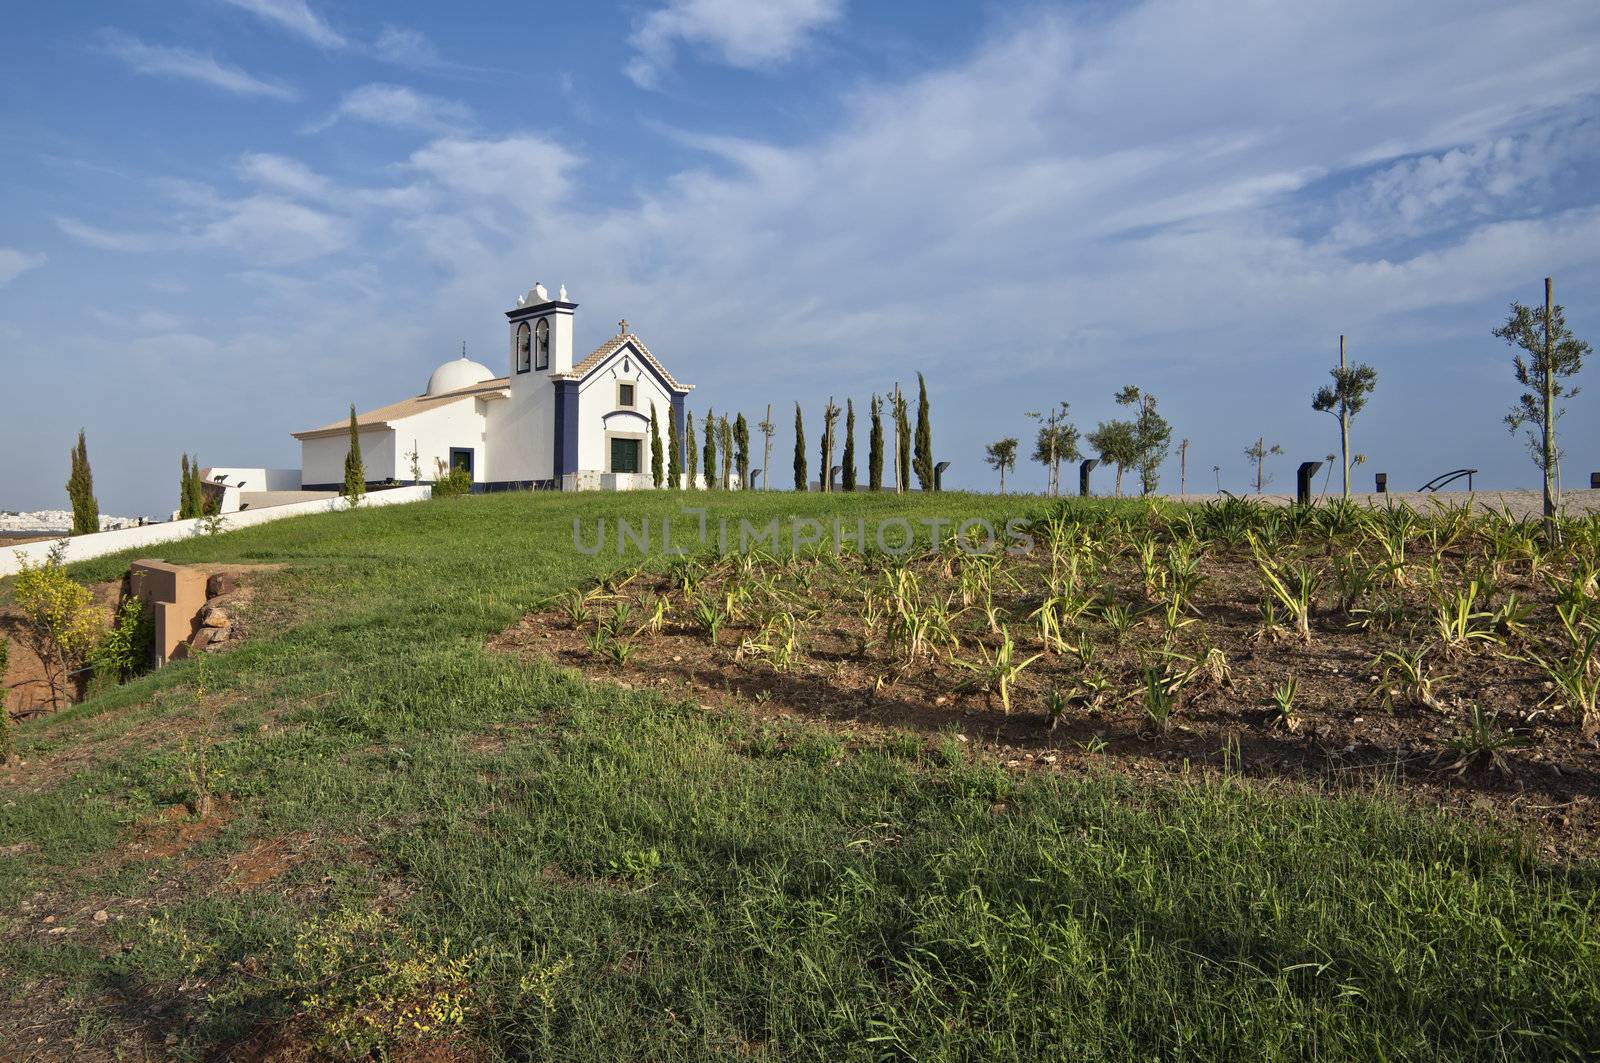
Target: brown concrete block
173, 628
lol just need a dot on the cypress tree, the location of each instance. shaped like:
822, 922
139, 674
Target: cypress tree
185, 492
849, 445
799, 449
197, 491
902, 440
355, 473
741, 440
875, 447
830, 417
688, 446
923, 463
674, 454
656, 470
725, 435
708, 455
80, 489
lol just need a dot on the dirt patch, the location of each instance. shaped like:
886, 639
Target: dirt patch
813, 638
260, 865
174, 830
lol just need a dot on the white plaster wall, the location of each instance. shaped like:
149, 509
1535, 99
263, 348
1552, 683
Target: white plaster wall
598, 412
259, 479
523, 429
433, 432
322, 460
84, 547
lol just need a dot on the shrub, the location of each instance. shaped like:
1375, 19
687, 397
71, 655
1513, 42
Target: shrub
451, 482
60, 623
128, 646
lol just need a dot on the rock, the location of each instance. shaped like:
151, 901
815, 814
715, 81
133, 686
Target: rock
214, 617
221, 583
101, 916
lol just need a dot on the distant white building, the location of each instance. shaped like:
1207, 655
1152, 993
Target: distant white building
547, 423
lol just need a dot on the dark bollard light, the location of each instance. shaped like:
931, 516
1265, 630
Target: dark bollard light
938, 475
1381, 482
1594, 481
1302, 481
1084, 469
833, 477
755, 474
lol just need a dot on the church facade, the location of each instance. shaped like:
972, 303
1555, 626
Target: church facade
549, 422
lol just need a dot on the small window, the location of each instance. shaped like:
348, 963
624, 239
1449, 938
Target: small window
522, 347
624, 455
541, 344
625, 395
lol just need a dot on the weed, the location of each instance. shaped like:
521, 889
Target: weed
1483, 741
995, 672
1281, 704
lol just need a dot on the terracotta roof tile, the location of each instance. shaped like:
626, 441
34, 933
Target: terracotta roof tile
384, 415
612, 346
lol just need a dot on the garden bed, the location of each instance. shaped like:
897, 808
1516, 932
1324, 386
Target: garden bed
1446, 652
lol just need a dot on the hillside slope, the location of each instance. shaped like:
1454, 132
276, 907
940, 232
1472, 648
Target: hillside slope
422, 845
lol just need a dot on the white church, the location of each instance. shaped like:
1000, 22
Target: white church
547, 423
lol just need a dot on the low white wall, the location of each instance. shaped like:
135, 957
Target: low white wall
251, 478
84, 547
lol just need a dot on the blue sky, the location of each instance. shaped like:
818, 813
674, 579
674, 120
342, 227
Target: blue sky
227, 219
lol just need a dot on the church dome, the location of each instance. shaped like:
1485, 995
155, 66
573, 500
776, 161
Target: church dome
456, 374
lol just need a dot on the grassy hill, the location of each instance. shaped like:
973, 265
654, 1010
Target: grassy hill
421, 844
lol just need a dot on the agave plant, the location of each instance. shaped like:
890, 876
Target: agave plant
995, 672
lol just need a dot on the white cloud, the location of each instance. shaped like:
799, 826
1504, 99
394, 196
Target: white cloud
294, 16
740, 33
284, 174
406, 47
263, 230
525, 170
399, 107
192, 66
14, 263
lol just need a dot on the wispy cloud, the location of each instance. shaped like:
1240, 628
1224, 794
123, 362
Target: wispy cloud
293, 16
399, 107
164, 61
258, 230
406, 47
736, 32
14, 263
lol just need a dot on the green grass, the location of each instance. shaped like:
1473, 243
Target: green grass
630, 876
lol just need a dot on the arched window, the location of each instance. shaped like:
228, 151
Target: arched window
541, 344
522, 347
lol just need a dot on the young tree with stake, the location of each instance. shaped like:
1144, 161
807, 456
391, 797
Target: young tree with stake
1344, 398
1554, 355
902, 442
1259, 454
830, 418
1002, 455
1117, 444
1056, 442
768, 428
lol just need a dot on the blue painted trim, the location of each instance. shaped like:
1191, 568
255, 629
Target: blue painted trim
677, 421
566, 428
